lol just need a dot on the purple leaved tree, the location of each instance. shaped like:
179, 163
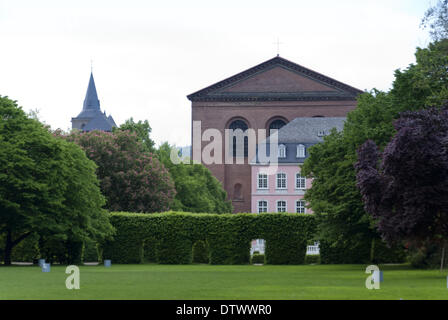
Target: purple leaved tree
405, 188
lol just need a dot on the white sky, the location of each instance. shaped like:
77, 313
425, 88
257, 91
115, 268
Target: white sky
148, 55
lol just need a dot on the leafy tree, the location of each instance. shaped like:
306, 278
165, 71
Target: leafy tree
334, 195
407, 193
131, 178
47, 185
197, 189
436, 19
142, 129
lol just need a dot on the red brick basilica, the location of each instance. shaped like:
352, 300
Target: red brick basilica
266, 96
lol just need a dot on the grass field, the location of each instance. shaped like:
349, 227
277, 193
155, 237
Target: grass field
171, 282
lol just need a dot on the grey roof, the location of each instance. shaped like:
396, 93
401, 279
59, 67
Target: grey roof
100, 122
91, 117
309, 130
91, 101
304, 131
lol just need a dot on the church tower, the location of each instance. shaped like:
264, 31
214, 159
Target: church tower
91, 117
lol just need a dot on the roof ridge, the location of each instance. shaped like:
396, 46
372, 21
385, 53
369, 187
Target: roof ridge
272, 62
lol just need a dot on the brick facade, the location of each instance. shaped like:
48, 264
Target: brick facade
275, 89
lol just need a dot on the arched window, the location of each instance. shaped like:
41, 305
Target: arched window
300, 151
239, 124
282, 151
275, 125
238, 192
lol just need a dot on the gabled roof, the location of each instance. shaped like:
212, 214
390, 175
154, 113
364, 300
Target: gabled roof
276, 79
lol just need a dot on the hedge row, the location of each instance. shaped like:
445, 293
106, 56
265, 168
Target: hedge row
356, 252
172, 235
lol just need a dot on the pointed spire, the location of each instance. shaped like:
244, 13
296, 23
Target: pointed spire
91, 101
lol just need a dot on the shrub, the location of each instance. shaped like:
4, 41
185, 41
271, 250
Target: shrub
312, 259
200, 252
227, 235
257, 258
356, 252
426, 255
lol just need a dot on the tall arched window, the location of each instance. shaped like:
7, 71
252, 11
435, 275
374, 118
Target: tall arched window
238, 192
239, 124
275, 125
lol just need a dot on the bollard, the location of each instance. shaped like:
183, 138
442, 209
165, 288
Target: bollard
46, 267
107, 263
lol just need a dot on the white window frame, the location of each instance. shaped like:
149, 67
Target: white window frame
282, 151
303, 179
258, 181
301, 151
301, 207
258, 205
286, 206
276, 181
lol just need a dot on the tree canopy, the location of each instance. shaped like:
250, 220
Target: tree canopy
407, 192
47, 185
197, 189
334, 196
142, 129
131, 178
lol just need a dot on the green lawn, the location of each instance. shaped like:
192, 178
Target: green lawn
221, 282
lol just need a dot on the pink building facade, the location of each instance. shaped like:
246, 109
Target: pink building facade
278, 186
281, 191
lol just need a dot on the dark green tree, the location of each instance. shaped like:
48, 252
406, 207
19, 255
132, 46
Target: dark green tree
142, 129
197, 189
47, 185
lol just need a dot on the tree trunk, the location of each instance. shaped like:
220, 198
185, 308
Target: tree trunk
8, 248
443, 257
372, 250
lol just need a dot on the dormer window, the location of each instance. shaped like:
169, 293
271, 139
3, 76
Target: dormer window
282, 151
321, 133
300, 151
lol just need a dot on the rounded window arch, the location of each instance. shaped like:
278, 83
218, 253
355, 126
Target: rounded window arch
275, 123
238, 192
239, 124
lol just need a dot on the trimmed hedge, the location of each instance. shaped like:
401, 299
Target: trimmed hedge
257, 259
312, 259
200, 252
356, 252
228, 236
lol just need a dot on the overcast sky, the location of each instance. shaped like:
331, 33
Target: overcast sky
148, 55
